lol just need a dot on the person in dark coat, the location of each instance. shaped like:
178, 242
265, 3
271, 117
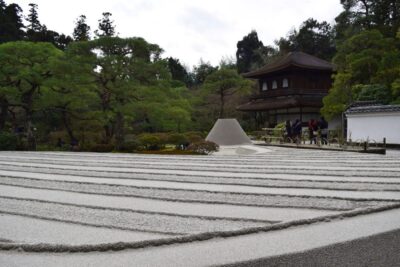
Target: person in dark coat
60, 143
288, 127
323, 126
74, 144
296, 130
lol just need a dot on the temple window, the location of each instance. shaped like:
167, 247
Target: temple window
264, 86
285, 83
274, 85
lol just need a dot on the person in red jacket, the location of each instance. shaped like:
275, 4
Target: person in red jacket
313, 130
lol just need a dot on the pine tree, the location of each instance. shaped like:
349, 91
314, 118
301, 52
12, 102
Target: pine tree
81, 30
245, 54
11, 26
106, 26
33, 19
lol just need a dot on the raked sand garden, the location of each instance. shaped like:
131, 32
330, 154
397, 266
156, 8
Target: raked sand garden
277, 206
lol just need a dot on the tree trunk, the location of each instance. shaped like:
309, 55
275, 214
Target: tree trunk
3, 112
13, 119
67, 126
27, 99
119, 131
30, 136
108, 132
105, 96
367, 14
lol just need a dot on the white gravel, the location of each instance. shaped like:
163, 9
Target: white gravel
20, 229
224, 250
202, 196
64, 198
121, 219
140, 172
182, 208
282, 169
204, 179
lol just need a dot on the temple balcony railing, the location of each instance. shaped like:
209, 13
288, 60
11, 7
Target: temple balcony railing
289, 92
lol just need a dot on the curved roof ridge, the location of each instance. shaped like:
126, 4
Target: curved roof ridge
299, 59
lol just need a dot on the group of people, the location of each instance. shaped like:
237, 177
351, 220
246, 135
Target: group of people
294, 130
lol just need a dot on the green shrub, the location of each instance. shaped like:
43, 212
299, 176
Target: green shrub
196, 133
8, 141
177, 139
130, 146
194, 137
89, 138
150, 141
281, 125
374, 92
279, 129
203, 147
164, 138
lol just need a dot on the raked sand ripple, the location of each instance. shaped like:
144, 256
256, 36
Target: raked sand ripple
313, 185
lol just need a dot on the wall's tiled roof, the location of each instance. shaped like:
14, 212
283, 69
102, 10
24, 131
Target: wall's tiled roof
373, 109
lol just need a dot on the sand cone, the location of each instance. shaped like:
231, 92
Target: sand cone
228, 132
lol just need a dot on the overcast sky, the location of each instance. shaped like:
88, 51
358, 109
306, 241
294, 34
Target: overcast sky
191, 29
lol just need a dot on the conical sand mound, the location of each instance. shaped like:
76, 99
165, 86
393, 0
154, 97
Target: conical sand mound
227, 132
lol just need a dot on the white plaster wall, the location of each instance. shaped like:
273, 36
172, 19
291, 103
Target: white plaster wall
374, 126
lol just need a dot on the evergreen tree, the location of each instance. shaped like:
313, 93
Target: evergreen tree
224, 83
11, 26
368, 65
33, 18
81, 30
386, 15
106, 26
178, 71
62, 41
124, 71
39, 33
313, 37
359, 15
25, 69
246, 54
35, 30
201, 71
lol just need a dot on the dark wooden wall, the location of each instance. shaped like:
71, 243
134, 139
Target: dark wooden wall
299, 79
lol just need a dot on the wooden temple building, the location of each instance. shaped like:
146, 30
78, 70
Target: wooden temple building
290, 88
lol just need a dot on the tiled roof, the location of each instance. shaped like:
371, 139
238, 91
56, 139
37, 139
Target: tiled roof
299, 59
373, 109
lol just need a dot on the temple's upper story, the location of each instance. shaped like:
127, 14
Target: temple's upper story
291, 87
293, 79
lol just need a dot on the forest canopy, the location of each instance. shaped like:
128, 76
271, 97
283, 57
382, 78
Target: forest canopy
96, 88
